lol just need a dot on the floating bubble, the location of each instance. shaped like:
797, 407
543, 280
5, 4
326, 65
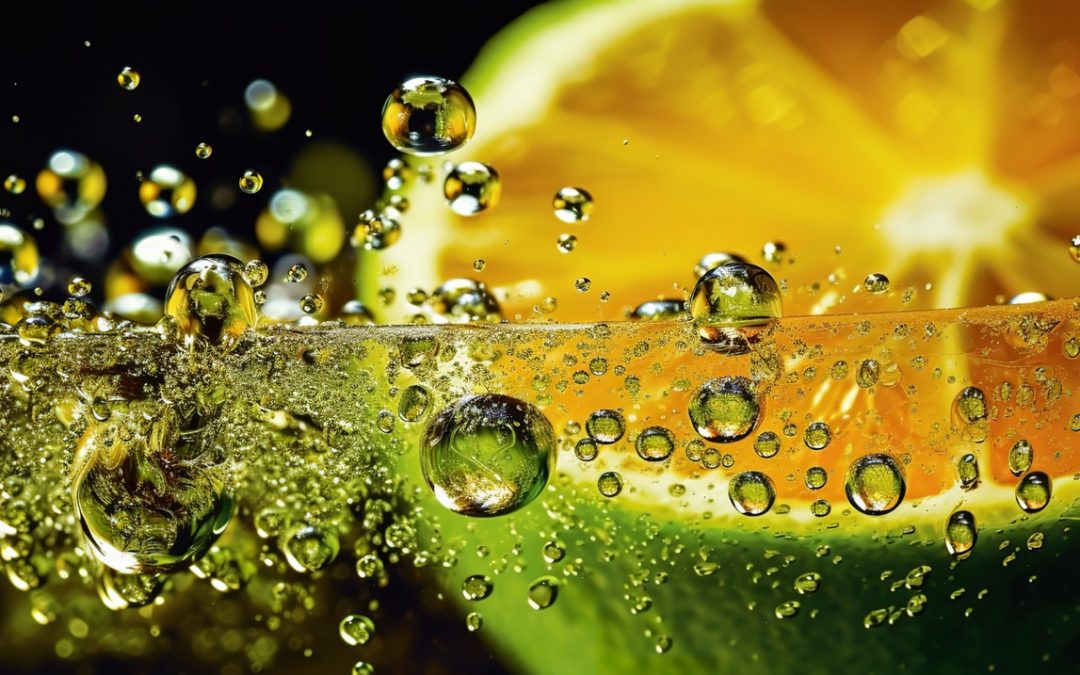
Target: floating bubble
204, 150
211, 298
773, 251
566, 243
487, 455
19, 260
817, 436
1033, 492
356, 629
867, 374
751, 493
471, 188
732, 296
308, 548
15, 184
820, 508
586, 449
78, 287
1021, 456
256, 272
960, 533
816, 477
543, 592
167, 192
355, 313
610, 484
251, 181
725, 409
970, 412
875, 484
876, 284
572, 205
311, 303
428, 116
414, 403
583, 284
605, 426
655, 444
376, 231
72, 184
553, 552
363, 668
967, 467
462, 301
476, 587
145, 490
1074, 248
474, 621
660, 310
128, 78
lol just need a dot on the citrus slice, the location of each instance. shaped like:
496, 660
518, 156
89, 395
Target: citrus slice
933, 142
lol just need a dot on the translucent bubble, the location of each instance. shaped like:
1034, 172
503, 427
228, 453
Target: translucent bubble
354, 313
553, 552
773, 251
566, 243
488, 455
572, 205
72, 184
817, 436
296, 274
167, 192
711, 261
311, 303
1021, 456
251, 181
751, 493
119, 591
476, 587
610, 484
732, 296
474, 621
875, 484
428, 116
145, 490
308, 548
211, 298
816, 477
471, 188
1033, 492
807, 583
876, 284
725, 409
605, 426
970, 412
586, 450
583, 284
655, 444
78, 287
543, 592
363, 668
767, 444
158, 254
960, 533
867, 374
660, 310
462, 301
19, 260
820, 508
1074, 248
967, 467
787, 609
414, 403
204, 150
376, 231
256, 272
15, 184
397, 173
356, 629
128, 78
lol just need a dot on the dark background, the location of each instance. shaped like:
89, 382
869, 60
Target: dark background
336, 62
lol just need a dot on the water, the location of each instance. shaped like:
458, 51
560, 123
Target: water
573, 205
875, 484
471, 188
725, 409
428, 115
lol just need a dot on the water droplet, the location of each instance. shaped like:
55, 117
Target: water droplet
1074, 248
725, 409
15, 184
487, 455
1035, 541
773, 251
376, 231
355, 313
816, 477
821, 508
128, 78
867, 374
916, 604
256, 272
970, 413
413, 404
119, 591
363, 668
660, 310
79, 287
428, 116
471, 188
356, 629
572, 205
19, 260
817, 436
767, 444
875, 618
474, 621
211, 298
462, 301
1020, 457
167, 192
968, 469
788, 609
876, 284
543, 592
807, 583
610, 484
751, 493
734, 295
308, 548
960, 533
146, 491
554, 552
583, 284
251, 181
204, 150
566, 243
605, 426
1033, 492
476, 587
655, 444
296, 273
875, 484
479, 264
